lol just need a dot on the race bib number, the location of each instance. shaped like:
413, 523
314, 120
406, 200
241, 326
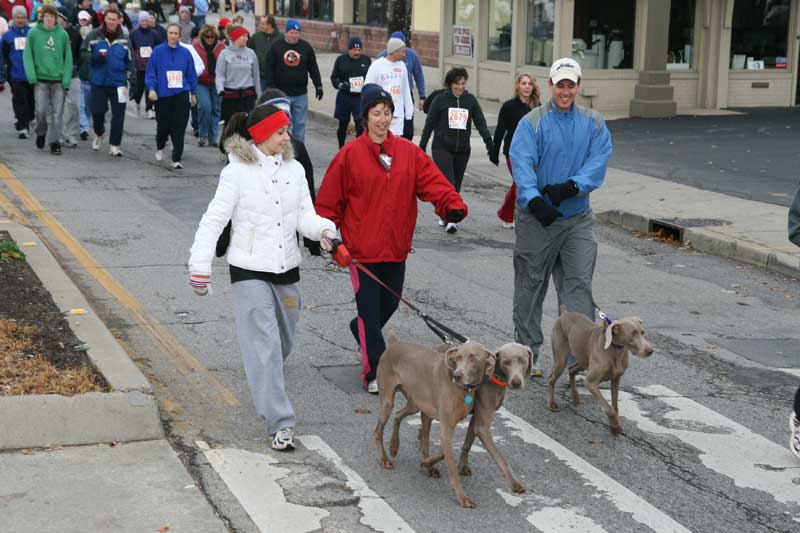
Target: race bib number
175, 79
122, 95
356, 84
396, 91
145, 52
457, 118
19, 43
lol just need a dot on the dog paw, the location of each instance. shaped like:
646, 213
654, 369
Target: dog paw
517, 488
617, 430
431, 472
465, 470
466, 502
387, 464
553, 406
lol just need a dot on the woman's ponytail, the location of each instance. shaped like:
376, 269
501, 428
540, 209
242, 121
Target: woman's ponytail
237, 124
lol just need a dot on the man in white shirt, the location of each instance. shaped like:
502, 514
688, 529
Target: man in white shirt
390, 73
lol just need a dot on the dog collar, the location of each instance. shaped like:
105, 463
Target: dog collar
500, 383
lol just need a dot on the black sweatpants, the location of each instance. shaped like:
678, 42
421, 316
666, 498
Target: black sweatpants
172, 113
452, 164
375, 307
236, 101
23, 103
139, 91
341, 132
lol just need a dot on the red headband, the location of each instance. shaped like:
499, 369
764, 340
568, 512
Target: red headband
238, 32
263, 130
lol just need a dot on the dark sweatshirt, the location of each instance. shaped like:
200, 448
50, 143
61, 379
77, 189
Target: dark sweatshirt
346, 68
290, 65
510, 114
438, 121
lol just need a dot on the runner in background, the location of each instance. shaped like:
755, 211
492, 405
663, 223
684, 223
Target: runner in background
144, 39
347, 77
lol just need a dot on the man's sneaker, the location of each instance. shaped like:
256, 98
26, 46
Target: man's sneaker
177, 165
202, 142
372, 387
151, 114
114, 151
442, 223
40, 141
97, 142
84, 135
451, 227
159, 155
508, 225
283, 440
23, 134
55, 148
794, 441
71, 142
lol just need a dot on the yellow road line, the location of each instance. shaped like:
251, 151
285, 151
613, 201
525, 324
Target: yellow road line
11, 210
183, 360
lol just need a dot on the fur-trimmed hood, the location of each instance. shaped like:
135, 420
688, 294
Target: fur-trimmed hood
240, 149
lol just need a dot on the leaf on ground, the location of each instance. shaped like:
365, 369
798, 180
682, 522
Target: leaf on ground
26, 452
362, 411
597, 441
163, 529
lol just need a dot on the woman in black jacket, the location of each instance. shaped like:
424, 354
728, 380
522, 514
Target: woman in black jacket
449, 117
526, 97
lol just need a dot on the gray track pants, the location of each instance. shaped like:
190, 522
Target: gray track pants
266, 316
567, 249
49, 98
72, 110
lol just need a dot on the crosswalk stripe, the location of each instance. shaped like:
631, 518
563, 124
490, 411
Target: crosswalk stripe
376, 512
623, 498
253, 480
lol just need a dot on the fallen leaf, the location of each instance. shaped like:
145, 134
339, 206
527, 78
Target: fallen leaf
361, 411
163, 528
597, 441
26, 452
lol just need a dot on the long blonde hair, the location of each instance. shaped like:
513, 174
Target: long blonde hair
535, 100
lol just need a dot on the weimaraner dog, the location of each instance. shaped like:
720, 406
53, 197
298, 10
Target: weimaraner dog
511, 370
600, 350
442, 386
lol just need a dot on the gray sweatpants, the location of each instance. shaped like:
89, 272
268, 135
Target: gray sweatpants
567, 249
266, 316
49, 98
72, 110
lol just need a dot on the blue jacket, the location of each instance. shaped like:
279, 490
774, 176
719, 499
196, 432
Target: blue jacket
139, 38
11, 57
414, 68
166, 58
552, 147
116, 69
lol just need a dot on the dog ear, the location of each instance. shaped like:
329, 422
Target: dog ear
610, 334
491, 361
530, 362
449, 359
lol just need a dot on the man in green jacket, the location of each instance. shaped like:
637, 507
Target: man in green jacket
48, 67
261, 41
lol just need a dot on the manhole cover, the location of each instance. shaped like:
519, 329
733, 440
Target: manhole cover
777, 353
697, 222
346, 377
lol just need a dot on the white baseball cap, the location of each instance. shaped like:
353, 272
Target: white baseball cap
565, 68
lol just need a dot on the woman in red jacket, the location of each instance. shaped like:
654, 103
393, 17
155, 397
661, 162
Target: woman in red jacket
370, 192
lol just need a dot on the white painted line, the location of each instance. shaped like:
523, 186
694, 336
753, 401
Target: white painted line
791, 371
560, 520
375, 512
623, 498
750, 460
254, 482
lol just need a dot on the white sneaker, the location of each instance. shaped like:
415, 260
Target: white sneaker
794, 440
451, 227
71, 142
508, 225
151, 114
114, 151
159, 155
283, 440
441, 222
372, 387
97, 142
177, 165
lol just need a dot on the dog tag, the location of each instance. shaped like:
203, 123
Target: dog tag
468, 399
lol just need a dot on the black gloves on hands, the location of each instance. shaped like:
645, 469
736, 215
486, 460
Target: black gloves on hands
344, 86
319, 93
494, 158
546, 214
561, 191
455, 215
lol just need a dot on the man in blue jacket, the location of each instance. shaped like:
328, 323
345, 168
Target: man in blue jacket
415, 73
560, 154
171, 82
13, 48
111, 56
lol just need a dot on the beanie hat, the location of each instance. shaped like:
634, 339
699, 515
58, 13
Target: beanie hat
63, 12
354, 42
292, 24
82, 15
372, 94
238, 32
394, 45
185, 8
399, 35
223, 22
143, 15
19, 10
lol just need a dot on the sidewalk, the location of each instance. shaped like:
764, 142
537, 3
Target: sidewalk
749, 231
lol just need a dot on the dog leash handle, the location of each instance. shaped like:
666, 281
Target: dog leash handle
340, 253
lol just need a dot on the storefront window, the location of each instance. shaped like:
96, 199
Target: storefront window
759, 34
308, 9
369, 12
499, 31
465, 13
541, 21
602, 34
680, 47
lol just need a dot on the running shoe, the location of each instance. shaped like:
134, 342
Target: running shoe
283, 440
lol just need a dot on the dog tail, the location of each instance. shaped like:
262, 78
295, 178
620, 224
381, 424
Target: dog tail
562, 309
391, 338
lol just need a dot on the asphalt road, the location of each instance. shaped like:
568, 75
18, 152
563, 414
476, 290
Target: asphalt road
705, 416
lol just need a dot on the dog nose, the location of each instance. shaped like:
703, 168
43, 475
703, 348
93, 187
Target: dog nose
648, 351
458, 373
516, 383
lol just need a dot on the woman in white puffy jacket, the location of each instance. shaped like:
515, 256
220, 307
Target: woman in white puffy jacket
263, 191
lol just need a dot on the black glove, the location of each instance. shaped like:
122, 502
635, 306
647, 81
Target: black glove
455, 215
494, 158
344, 86
319, 93
546, 214
561, 191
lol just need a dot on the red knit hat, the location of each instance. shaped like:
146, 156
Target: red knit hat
223, 22
238, 32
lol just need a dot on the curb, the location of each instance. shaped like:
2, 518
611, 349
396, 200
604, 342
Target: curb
711, 242
127, 413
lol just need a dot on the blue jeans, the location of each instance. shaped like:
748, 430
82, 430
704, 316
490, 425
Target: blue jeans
209, 109
86, 101
299, 111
